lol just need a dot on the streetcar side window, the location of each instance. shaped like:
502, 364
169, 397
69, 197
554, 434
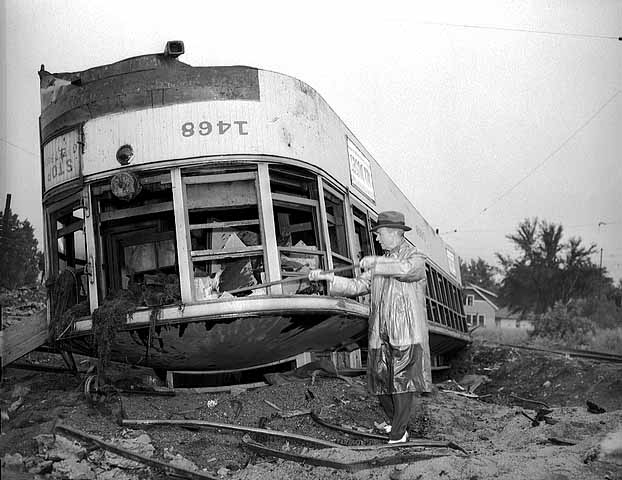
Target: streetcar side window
296, 220
68, 246
443, 301
335, 218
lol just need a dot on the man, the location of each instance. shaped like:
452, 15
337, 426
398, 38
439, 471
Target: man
398, 360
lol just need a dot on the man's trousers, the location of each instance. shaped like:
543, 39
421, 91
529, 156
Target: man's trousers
397, 407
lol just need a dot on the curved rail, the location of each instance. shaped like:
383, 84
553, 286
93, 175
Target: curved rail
588, 354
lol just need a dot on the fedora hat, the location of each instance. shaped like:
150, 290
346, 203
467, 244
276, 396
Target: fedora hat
391, 219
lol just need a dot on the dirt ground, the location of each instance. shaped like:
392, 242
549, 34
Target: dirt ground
501, 442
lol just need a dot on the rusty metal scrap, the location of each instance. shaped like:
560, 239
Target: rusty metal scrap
226, 426
316, 418
169, 469
324, 462
417, 442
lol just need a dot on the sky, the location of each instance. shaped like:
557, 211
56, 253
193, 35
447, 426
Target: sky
483, 112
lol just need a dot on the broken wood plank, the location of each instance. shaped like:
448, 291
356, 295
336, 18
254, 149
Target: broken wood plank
529, 400
169, 469
316, 418
324, 462
561, 441
226, 426
23, 337
276, 407
223, 389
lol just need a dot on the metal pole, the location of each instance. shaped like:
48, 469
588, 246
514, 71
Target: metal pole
600, 271
5, 217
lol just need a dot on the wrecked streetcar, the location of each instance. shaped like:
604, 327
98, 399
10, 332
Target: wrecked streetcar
184, 188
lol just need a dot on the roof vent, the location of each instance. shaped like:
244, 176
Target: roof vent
174, 48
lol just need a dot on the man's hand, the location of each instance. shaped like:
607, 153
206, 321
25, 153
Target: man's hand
367, 263
318, 275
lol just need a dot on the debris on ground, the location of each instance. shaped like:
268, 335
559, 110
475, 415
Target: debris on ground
561, 439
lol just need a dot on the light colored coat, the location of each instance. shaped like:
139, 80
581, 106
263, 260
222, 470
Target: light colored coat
398, 358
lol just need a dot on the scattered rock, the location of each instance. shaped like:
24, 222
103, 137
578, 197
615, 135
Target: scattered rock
64, 449
223, 471
38, 465
15, 405
591, 454
116, 474
20, 391
141, 445
73, 469
182, 462
546, 384
611, 447
13, 462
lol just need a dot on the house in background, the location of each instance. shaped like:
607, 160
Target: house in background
482, 311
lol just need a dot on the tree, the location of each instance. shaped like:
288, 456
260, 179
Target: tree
547, 269
479, 272
20, 258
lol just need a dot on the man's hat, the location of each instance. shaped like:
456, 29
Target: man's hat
391, 219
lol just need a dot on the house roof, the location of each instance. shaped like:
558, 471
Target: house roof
485, 294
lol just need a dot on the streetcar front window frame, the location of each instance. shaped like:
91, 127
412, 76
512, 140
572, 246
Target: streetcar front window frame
224, 232
136, 239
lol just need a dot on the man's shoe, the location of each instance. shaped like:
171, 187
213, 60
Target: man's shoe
404, 439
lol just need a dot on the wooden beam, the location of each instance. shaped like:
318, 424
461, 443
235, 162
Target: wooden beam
73, 227
23, 337
219, 178
133, 212
281, 197
94, 269
324, 224
199, 255
186, 275
303, 251
266, 212
238, 223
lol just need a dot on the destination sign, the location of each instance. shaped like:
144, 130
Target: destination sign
360, 171
61, 159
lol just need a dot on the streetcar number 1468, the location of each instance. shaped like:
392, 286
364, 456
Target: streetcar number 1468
205, 128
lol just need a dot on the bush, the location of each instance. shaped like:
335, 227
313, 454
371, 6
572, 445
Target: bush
564, 323
604, 313
607, 340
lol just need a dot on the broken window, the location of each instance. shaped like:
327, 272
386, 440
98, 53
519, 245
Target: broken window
363, 245
295, 205
137, 237
225, 233
335, 218
67, 241
443, 303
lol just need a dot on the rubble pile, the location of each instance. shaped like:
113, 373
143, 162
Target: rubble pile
273, 431
21, 302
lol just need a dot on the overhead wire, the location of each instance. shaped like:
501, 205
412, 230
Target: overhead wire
541, 163
19, 148
523, 30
